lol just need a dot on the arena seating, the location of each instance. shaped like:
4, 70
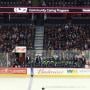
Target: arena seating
15, 2
67, 37
16, 35
63, 60
66, 3
51, 3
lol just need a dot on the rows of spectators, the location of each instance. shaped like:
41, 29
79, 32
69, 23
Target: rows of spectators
69, 60
19, 35
62, 36
67, 36
15, 2
62, 3
66, 3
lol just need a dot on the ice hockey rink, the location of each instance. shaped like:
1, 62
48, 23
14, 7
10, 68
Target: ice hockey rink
46, 83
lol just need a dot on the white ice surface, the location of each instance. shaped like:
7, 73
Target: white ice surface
14, 83
47, 83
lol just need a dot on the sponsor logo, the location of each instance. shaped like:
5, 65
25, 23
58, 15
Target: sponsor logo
13, 71
71, 71
20, 10
50, 71
84, 71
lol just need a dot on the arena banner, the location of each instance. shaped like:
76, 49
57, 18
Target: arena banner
13, 70
61, 72
46, 72
44, 10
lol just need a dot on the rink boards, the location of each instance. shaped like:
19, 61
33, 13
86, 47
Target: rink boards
45, 72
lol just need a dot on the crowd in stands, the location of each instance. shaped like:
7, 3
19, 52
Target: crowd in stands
16, 35
67, 36
65, 33
66, 40
64, 59
70, 35
66, 3
51, 3
15, 2
67, 59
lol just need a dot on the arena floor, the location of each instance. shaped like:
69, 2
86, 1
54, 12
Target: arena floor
46, 83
